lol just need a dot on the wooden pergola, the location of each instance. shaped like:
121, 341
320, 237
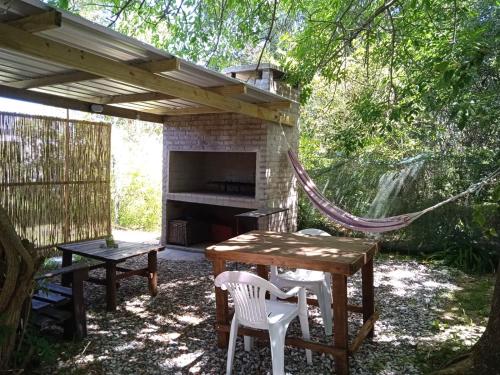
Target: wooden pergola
55, 58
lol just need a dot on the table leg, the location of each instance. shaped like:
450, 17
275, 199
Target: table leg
110, 286
221, 310
263, 271
67, 260
153, 273
368, 293
340, 334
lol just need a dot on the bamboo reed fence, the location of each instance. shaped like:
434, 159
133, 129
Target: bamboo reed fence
55, 178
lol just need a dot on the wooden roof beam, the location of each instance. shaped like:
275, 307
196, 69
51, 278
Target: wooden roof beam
229, 90
77, 105
202, 110
55, 79
18, 40
187, 111
132, 98
38, 22
161, 66
277, 105
73, 77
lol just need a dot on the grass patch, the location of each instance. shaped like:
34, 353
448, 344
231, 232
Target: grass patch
469, 306
66, 354
473, 302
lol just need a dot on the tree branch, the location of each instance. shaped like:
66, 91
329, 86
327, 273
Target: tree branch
120, 11
392, 89
346, 36
268, 37
219, 31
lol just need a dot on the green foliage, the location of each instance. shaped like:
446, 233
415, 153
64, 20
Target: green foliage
34, 350
140, 204
466, 257
473, 247
430, 91
136, 177
214, 32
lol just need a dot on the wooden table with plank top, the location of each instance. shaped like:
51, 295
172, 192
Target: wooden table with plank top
112, 257
341, 256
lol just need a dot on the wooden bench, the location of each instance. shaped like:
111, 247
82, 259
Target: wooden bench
54, 303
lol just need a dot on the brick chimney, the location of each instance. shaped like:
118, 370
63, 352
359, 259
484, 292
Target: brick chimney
267, 77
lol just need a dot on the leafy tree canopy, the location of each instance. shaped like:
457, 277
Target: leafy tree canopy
380, 79
427, 63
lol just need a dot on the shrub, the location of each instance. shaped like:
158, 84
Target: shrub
139, 204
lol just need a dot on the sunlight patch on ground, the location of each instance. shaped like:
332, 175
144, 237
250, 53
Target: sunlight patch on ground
138, 307
467, 334
183, 360
401, 274
403, 281
131, 345
189, 319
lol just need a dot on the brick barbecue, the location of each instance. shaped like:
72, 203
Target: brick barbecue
219, 165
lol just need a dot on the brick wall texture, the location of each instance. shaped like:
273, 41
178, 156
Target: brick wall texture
228, 132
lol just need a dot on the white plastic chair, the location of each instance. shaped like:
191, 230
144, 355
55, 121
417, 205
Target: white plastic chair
253, 310
318, 282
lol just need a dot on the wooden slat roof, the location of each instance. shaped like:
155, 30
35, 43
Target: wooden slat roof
50, 56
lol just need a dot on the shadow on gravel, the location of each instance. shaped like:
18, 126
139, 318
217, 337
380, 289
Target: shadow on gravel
173, 333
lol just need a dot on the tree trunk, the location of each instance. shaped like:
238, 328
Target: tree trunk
18, 264
486, 352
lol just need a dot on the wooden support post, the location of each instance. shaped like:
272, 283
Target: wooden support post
314, 302
291, 341
79, 317
67, 260
222, 310
368, 293
340, 333
153, 273
366, 328
67, 135
110, 201
110, 286
263, 271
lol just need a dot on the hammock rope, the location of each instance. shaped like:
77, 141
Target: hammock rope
370, 225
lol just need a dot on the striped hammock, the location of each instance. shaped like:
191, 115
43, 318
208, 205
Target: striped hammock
363, 224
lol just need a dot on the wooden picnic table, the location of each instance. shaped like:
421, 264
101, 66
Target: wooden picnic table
112, 257
341, 256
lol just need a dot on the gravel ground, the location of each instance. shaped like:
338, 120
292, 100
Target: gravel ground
173, 332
